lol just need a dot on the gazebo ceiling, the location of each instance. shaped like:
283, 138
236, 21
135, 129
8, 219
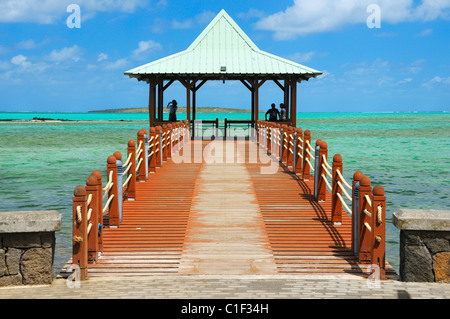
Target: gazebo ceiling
222, 51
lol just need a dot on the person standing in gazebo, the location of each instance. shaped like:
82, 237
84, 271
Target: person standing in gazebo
172, 110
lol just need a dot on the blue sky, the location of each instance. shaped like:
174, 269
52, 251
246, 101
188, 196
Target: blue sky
404, 65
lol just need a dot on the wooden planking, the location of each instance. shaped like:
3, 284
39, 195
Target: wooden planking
295, 234
302, 238
226, 231
151, 236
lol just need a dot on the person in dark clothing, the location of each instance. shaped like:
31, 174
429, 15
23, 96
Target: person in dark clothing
172, 110
273, 113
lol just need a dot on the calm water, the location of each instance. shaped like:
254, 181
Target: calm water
409, 154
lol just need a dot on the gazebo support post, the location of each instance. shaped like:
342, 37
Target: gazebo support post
152, 101
294, 102
286, 99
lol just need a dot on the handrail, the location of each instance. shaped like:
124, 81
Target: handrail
366, 207
93, 202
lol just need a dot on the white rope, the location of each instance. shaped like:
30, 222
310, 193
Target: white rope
347, 209
79, 217
324, 177
110, 182
310, 154
343, 179
310, 166
128, 179
344, 191
309, 145
368, 200
108, 203
89, 213
379, 214
139, 164
138, 154
126, 171
128, 160
365, 211
326, 170
368, 227
89, 200
326, 163
108, 187
89, 227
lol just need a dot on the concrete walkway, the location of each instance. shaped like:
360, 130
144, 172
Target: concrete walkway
231, 286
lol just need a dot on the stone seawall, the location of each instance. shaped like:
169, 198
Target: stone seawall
424, 245
27, 247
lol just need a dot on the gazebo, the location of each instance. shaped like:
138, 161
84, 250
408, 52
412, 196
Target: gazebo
222, 52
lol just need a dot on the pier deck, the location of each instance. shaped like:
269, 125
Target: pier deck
225, 217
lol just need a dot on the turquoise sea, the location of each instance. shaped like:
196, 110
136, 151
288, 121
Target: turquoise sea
408, 153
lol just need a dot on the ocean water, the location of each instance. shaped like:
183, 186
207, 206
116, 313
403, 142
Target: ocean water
407, 153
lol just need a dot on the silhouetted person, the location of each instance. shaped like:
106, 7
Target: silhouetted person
273, 113
172, 110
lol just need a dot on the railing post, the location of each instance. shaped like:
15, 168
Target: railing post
152, 150
141, 148
306, 171
316, 169
323, 151
99, 204
80, 239
92, 217
158, 145
336, 204
379, 230
119, 163
290, 147
269, 137
169, 143
188, 130
114, 213
298, 151
131, 151
364, 234
284, 141
355, 212
257, 131
164, 143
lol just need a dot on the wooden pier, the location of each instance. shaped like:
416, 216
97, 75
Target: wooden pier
221, 215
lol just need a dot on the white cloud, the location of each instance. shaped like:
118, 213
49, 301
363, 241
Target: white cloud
251, 13
305, 16
102, 56
27, 44
437, 80
145, 48
186, 24
306, 56
425, 33
20, 60
73, 53
50, 11
161, 25
119, 64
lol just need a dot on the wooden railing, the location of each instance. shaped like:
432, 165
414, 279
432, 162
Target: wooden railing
366, 206
95, 207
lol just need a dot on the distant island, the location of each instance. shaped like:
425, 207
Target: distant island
180, 110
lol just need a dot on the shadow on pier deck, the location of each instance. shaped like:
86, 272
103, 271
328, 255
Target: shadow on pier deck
222, 216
